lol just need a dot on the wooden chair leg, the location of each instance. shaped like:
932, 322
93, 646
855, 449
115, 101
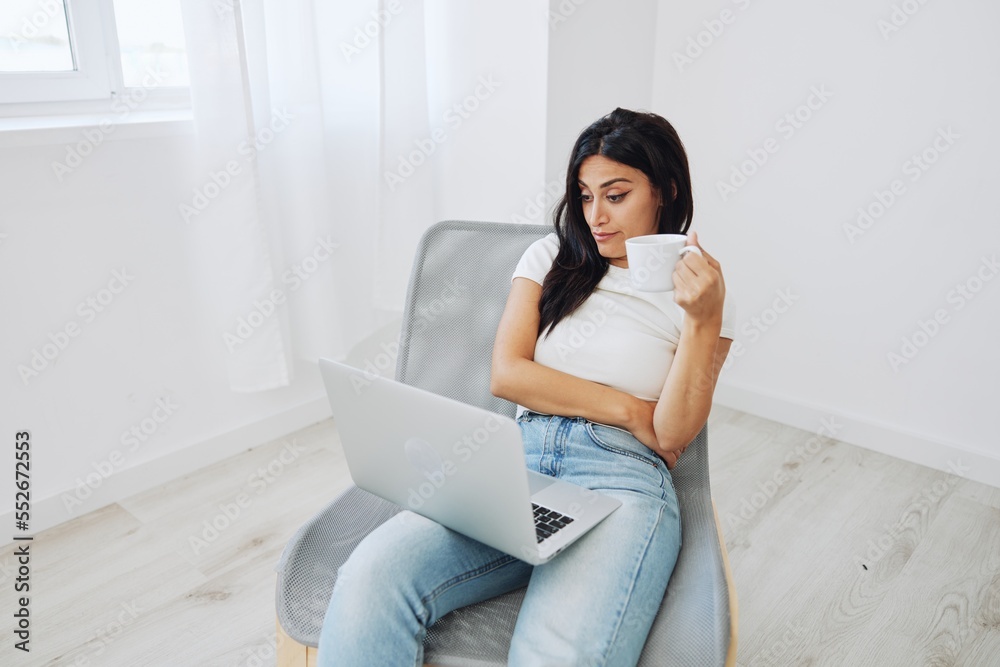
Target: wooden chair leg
733, 604
290, 652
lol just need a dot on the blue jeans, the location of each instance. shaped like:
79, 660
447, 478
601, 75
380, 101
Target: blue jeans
593, 604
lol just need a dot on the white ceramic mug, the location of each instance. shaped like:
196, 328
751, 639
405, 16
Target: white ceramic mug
652, 259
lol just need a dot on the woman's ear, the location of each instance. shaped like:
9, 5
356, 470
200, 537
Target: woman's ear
673, 186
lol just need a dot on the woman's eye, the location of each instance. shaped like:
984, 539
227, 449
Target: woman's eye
614, 199
584, 197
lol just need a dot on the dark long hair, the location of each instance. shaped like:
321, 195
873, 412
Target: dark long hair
644, 141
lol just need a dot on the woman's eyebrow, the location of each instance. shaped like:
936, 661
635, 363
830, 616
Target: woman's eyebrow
604, 185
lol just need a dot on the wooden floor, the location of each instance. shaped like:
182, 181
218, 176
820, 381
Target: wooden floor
840, 556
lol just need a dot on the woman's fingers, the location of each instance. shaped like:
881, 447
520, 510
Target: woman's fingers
705, 256
671, 459
696, 277
689, 279
698, 264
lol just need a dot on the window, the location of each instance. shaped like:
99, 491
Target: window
151, 39
54, 52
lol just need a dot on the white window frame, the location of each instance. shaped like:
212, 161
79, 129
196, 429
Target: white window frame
96, 85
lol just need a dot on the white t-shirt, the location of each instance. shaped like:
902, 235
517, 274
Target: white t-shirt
619, 337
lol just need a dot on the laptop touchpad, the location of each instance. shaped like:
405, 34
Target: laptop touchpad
538, 481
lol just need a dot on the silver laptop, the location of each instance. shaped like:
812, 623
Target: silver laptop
459, 465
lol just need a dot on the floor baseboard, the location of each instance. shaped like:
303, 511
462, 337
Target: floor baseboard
957, 459
68, 504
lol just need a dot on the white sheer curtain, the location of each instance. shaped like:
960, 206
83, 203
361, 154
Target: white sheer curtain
300, 242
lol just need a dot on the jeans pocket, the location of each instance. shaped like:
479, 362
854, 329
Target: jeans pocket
529, 415
619, 441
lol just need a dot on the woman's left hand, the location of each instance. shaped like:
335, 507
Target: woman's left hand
671, 458
642, 428
698, 285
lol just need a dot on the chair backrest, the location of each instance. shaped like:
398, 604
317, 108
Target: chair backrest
457, 292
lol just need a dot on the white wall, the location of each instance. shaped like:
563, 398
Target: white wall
481, 118
855, 294
497, 156
117, 212
600, 58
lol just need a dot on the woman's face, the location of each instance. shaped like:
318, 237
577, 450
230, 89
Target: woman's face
618, 203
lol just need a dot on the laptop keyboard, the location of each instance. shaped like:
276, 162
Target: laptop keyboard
548, 521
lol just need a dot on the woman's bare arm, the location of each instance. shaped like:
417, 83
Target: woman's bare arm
518, 378
686, 398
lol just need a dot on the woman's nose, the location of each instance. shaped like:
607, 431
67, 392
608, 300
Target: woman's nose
598, 213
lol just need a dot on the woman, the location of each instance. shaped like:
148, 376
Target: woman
610, 406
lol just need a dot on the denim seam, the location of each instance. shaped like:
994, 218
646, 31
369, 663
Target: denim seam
635, 577
542, 463
465, 576
617, 428
559, 445
668, 477
418, 657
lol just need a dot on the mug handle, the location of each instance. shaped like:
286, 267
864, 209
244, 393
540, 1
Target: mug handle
691, 248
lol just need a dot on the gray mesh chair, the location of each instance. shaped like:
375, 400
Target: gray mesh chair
457, 292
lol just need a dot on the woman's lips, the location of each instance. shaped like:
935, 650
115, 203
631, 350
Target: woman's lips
603, 237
